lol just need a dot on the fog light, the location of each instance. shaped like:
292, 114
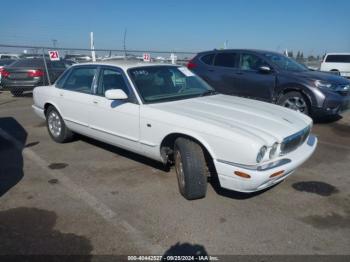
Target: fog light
241, 174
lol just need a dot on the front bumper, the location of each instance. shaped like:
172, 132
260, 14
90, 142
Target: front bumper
333, 104
39, 111
260, 175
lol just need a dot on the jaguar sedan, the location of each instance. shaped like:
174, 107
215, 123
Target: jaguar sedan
167, 113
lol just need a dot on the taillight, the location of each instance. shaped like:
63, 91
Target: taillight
4, 73
35, 73
191, 65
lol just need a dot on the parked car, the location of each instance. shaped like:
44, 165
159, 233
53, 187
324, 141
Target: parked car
9, 56
273, 78
167, 113
337, 62
37, 55
78, 58
3, 63
25, 74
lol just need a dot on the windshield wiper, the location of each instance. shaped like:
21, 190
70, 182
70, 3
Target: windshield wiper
209, 93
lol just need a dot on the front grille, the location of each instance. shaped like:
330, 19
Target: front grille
343, 89
292, 142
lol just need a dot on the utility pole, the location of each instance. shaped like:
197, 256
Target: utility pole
124, 42
54, 42
92, 46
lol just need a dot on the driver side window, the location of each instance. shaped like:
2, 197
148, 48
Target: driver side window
252, 62
111, 79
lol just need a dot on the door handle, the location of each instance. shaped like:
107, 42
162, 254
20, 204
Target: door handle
239, 73
95, 102
211, 70
61, 94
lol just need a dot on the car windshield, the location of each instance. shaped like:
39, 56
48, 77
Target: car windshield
285, 63
167, 83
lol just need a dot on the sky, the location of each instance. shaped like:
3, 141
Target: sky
312, 26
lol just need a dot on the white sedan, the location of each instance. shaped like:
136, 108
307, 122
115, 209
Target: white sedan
167, 113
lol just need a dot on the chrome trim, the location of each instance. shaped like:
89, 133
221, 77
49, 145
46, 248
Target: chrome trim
113, 134
275, 164
75, 122
147, 144
265, 167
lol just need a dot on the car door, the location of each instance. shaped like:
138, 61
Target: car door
75, 96
255, 82
115, 121
225, 73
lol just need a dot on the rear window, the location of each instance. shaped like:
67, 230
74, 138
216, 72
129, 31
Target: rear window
208, 59
57, 65
338, 59
226, 60
28, 63
6, 62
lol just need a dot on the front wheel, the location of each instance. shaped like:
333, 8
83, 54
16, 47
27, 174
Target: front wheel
295, 101
56, 126
191, 169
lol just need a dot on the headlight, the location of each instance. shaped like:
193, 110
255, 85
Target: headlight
273, 150
323, 84
261, 154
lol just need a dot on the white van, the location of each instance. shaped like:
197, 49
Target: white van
337, 62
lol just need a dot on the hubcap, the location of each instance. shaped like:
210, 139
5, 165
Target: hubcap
54, 123
179, 168
296, 103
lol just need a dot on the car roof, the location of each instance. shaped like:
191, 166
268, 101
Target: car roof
125, 65
239, 50
337, 54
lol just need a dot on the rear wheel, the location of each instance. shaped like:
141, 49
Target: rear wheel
296, 101
191, 168
56, 126
16, 92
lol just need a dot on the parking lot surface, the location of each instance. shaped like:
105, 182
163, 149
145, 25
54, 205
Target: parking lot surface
86, 197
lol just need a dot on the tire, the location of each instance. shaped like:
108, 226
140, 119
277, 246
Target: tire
16, 92
191, 169
56, 126
296, 101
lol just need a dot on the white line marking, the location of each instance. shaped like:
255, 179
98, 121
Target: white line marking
140, 241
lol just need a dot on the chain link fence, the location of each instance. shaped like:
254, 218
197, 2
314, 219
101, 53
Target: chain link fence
39, 69
42, 65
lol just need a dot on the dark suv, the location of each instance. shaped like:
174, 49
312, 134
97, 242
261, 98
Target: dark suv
274, 78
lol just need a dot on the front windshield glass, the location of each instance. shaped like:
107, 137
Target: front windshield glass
167, 83
285, 63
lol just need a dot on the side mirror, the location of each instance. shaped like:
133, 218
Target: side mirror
265, 69
116, 94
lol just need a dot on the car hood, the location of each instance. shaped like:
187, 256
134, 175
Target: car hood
265, 122
317, 75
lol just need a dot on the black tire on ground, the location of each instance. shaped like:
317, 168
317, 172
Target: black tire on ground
191, 168
63, 134
16, 92
295, 101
